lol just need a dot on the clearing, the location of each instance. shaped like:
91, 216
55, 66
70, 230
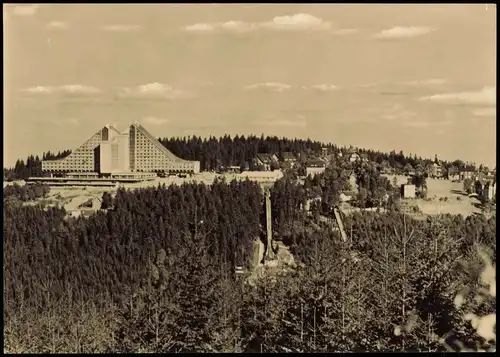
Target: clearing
457, 202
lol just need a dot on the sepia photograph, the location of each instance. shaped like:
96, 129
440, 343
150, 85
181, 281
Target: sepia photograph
249, 178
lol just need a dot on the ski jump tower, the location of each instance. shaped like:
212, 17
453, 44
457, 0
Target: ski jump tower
269, 247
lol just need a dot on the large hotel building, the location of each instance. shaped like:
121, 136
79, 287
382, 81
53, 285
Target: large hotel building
110, 151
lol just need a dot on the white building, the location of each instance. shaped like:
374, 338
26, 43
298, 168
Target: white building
314, 171
408, 191
110, 151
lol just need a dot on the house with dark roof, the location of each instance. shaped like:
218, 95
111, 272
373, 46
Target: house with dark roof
265, 160
288, 157
453, 173
467, 174
315, 166
353, 156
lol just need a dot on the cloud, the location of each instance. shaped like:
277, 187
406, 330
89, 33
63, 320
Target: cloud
485, 112
153, 90
285, 123
288, 22
403, 32
26, 10
69, 89
486, 96
155, 120
200, 28
323, 87
432, 81
57, 25
297, 22
274, 86
121, 28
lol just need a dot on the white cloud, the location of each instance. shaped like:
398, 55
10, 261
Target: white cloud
274, 86
39, 89
154, 90
200, 28
57, 25
292, 22
154, 120
26, 10
79, 88
324, 87
121, 28
297, 22
485, 112
403, 32
432, 81
70, 89
486, 96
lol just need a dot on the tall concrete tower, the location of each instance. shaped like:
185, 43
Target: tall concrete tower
269, 247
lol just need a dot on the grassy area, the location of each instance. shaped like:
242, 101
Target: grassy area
443, 196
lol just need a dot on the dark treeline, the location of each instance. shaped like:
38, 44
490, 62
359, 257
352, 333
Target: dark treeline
240, 151
26, 192
32, 167
154, 274
236, 151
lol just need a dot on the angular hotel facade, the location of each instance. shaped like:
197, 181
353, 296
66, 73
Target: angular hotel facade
111, 151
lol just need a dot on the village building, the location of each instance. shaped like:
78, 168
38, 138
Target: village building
315, 167
266, 160
489, 191
408, 191
289, 158
436, 170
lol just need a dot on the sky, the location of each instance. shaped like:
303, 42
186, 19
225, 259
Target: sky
419, 78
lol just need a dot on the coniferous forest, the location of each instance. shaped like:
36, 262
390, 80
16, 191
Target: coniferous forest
155, 272
241, 151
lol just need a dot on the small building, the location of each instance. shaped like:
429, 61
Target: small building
260, 176
489, 191
385, 167
453, 173
408, 191
467, 174
314, 170
354, 156
289, 158
436, 170
233, 169
266, 160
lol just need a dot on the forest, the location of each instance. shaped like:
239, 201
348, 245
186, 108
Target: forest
155, 272
240, 151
